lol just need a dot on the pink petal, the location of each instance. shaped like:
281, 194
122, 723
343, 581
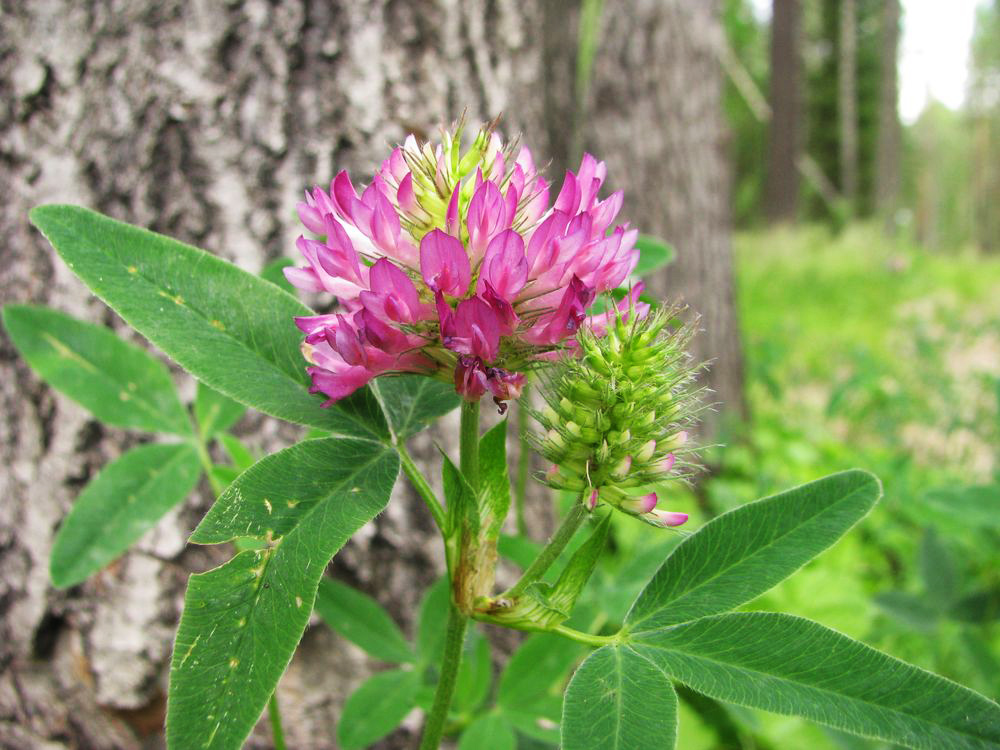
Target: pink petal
444, 264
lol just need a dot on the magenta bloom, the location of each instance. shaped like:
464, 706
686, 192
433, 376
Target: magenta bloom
455, 265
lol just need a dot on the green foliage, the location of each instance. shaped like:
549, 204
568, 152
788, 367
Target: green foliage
654, 254
361, 620
489, 732
741, 554
228, 328
376, 708
414, 401
619, 699
214, 412
790, 665
122, 503
242, 621
117, 382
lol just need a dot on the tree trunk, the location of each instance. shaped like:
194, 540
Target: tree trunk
657, 120
204, 121
887, 147
848, 101
785, 132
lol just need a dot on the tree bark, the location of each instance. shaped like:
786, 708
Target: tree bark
888, 143
204, 121
657, 119
848, 100
785, 133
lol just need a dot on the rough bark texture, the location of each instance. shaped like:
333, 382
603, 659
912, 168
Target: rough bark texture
784, 144
657, 120
205, 121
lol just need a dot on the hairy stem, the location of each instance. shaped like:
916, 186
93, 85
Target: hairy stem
523, 461
457, 621
452, 659
552, 550
421, 485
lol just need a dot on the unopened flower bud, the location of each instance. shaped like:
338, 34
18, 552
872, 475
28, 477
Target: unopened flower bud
617, 414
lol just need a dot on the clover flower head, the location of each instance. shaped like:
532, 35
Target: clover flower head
454, 264
616, 417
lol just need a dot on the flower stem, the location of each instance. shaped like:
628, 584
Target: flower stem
421, 485
454, 640
523, 461
277, 733
552, 550
457, 620
469, 443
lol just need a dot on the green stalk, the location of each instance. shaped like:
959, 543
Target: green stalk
277, 733
421, 485
523, 461
468, 457
552, 550
454, 640
457, 621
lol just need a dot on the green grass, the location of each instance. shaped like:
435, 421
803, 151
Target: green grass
863, 351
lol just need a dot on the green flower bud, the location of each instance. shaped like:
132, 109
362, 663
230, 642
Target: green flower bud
616, 416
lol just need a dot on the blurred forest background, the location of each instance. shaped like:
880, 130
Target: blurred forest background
845, 263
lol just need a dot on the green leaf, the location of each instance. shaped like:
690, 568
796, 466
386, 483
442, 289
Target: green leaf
460, 498
376, 708
122, 503
117, 382
537, 669
965, 506
214, 412
431, 622
908, 609
654, 254
790, 665
743, 553
361, 620
937, 569
241, 456
274, 272
225, 475
494, 478
619, 700
489, 732
228, 328
979, 607
518, 549
474, 674
242, 621
411, 402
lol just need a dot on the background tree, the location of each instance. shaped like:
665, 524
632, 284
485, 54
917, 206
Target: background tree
206, 122
663, 139
888, 141
785, 133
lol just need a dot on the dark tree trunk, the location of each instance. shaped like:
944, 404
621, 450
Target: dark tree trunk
847, 93
656, 103
205, 121
888, 143
781, 197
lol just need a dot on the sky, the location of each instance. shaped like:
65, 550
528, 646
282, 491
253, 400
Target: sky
934, 52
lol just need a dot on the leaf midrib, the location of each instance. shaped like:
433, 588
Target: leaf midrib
690, 591
185, 449
271, 552
749, 671
152, 283
138, 397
